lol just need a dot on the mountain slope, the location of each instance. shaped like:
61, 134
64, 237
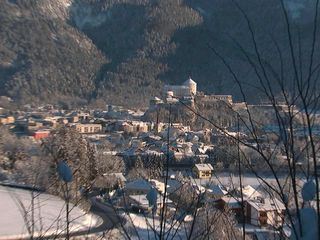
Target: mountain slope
43, 57
123, 51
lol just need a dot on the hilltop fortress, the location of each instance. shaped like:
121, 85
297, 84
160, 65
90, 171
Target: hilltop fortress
187, 92
187, 89
216, 107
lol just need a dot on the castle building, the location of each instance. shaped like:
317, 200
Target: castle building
187, 89
212, 98
187, 93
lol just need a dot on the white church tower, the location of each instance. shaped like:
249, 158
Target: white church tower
192, 85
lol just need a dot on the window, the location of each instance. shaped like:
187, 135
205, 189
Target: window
263, 218
263, 214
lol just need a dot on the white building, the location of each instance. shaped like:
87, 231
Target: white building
187, 89
265, 211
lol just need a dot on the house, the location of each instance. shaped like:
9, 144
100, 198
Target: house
265, 211
49, 122
109, 181
3, 120
34, 125
63, 121
142, 204
137, 187
10, 119
215, 192
129, 126
203, 170
88, 128
83, 116
234, 204
6, 119
172, 185
73, 119
40, 134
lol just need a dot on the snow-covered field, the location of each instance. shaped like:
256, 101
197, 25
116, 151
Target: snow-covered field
230, 179
49, 214
148, 227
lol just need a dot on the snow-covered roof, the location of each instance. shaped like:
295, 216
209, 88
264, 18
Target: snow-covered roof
139, 184
142, 199
266, 204
250, 192
204, 166
231, 202
216, 190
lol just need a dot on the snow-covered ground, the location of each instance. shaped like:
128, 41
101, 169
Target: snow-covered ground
49, 214
139, 226
230, 179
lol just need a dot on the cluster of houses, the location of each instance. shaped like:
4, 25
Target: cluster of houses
123, 128
260, 212
38, 122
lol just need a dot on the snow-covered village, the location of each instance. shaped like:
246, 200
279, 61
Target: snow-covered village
148, 172
162, 119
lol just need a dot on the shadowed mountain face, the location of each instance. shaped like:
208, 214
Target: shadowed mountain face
123, 51
42, 56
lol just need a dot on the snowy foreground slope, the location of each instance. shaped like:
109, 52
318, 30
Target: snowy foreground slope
49, 214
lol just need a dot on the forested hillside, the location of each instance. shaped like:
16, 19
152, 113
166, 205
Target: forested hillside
123, 51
